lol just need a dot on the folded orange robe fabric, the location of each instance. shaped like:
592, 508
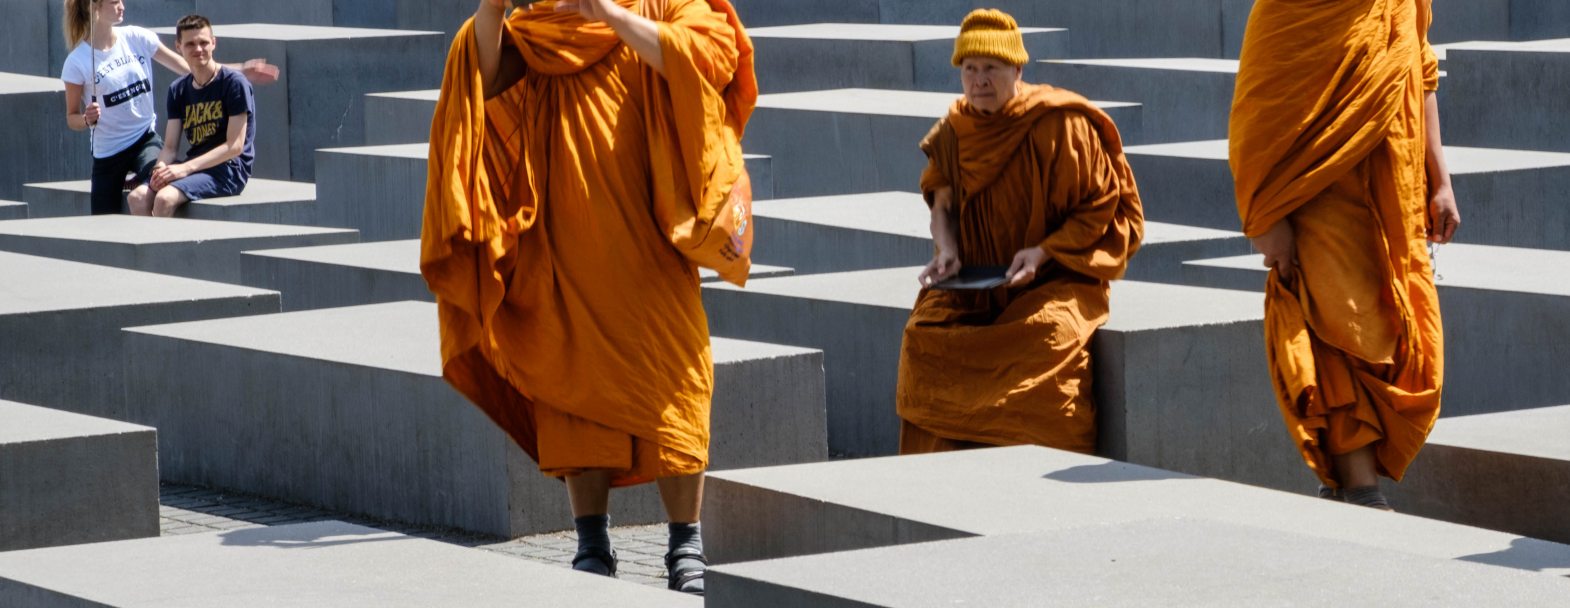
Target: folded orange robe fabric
1328, 133
554, 216
1011, 366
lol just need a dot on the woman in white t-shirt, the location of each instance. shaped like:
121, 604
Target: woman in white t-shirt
109, 88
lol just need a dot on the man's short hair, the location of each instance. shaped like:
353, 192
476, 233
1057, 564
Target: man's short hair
190, 23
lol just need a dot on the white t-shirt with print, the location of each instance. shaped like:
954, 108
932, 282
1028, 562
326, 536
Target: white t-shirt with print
125, 87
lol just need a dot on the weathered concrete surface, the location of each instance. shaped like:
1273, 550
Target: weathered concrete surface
1508, 471
312, 379
13, 210
331, 276
61, 321
325, 563
1510, 95
402, 117
1134, 28
873, 56
1182, 99
196, 249
67, 478
1516, 192
1504, 312
1177, 562
39, 147
818, 508
875, 138
264, 201
25, 40
761, 13
318, 101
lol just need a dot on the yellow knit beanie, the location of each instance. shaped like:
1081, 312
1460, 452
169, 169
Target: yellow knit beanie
989, 32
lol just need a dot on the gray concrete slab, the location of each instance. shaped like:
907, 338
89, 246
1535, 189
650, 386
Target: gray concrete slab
326, 563
401, 117
873, 56
1538, 19
762, 13
434, 15
61, 321
1514, 195
1131, 28
1508, 471
196, 249
330, 276
25, 40
869, 138
1508, 95
13, 210
318, 101
1177, 562
858, 504
40, 147
1459, 20
892, 229
263, 201
1504, 311
67, 479
1183, 99
312, 380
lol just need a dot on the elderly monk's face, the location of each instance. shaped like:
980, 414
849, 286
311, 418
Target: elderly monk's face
989, 83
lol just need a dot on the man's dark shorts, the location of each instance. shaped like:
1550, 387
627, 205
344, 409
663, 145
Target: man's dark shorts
222, 180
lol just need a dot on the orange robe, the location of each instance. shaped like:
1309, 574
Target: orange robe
1328, 133
1011, 366
555, 216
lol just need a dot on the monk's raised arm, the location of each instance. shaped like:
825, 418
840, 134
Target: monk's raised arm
488, 20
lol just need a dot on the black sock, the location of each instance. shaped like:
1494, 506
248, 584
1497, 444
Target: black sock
686, 540
594, 545
1367, 496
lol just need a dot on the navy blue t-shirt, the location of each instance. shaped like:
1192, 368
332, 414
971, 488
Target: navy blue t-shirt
204, 114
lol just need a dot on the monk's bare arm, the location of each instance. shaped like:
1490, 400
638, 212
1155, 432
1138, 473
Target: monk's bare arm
1444, 216
640, 33
945, 262
488, 37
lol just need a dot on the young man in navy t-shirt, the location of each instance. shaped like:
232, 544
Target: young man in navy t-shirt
214, 110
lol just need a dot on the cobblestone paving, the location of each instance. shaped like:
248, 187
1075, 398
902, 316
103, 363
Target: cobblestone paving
193, 510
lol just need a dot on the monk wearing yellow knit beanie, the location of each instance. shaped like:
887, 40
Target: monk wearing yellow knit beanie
1031, 195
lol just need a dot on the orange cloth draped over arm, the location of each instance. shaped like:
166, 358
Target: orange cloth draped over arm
1327, 133
554, 220
1012, 366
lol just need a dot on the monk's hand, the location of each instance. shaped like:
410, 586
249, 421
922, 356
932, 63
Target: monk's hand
943, 265
1026, 264
1279, 245
1444, 216
592, 10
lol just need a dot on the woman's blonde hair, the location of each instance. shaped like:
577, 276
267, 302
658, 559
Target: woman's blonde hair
78, 21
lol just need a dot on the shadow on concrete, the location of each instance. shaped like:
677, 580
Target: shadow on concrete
1527, 554
317, 535
1112, 472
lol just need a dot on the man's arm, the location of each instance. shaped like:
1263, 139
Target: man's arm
167, 154
234, 145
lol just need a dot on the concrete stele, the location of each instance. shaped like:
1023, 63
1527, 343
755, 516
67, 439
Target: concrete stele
1183, 99
325, 563
38, 147
264, 201
821, 56
199, 249
13, 210
67, 478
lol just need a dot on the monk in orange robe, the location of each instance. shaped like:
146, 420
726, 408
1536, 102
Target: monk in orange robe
1340, 182
1031, 178
576, 145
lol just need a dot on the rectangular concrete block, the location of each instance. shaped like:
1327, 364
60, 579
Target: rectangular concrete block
1515, 192
196, 249
346, 409
873, 56
61, 321
1538, 19
327, 563
1129, 28
1508, 471
25, 39
803, 509
1182, 99
318, 100
67, 479
1508, 95
1178, 562
13, 210
867, 139
263, 201
330, 276
1504, 312
402, 117
40, 147
762, 13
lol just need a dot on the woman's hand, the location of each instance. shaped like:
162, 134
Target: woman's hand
258, 71
91, 115
1279, 244
1444, 217
1026, 263
944, 264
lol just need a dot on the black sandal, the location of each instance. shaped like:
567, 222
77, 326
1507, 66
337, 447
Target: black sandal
608, 558
678, 582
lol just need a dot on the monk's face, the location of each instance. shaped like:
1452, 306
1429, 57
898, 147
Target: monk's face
989, 83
